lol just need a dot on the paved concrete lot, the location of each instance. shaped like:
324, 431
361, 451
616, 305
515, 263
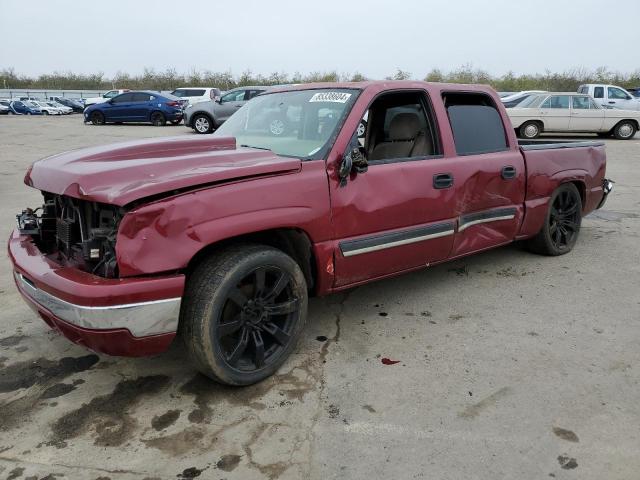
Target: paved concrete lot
511, 365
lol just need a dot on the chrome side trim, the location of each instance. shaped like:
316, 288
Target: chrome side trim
486, 216
141, 319
464, 226
376, 243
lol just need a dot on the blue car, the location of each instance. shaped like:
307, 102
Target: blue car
19, 107
147, 107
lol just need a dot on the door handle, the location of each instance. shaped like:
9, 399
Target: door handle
442, 180
612, 102
508, 172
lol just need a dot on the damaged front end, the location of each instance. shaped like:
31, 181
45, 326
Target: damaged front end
75, 233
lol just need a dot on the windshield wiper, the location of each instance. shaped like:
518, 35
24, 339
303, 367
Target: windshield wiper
259, 148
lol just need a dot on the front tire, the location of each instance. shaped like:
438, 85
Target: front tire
530, 130
202, 123
44, 112
625, 130
562, 223
97, 118
243, 311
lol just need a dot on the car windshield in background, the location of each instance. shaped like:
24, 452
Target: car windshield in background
294, 124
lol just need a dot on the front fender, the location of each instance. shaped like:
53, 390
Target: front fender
165, 235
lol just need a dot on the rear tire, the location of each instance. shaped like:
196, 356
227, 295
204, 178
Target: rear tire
625, 130
243, 311
530, 130
562, 223
97, 118
158, 120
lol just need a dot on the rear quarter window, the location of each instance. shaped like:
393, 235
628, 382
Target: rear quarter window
476, 123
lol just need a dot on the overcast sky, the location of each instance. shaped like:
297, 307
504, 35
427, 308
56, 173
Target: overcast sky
373, 37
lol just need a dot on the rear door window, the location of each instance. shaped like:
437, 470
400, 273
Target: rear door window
196, 93
598, 92
476, 123
141, 97
558, 101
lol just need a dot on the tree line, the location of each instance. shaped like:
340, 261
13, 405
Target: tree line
170, 79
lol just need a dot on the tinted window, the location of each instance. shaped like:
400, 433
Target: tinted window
598, 92
179, 93
125, 97
18, 104
141, 97
583, 89
253, 93
616, 93
196, 93
476, 124
581, 103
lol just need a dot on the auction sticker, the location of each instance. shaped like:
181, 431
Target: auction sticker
335, 97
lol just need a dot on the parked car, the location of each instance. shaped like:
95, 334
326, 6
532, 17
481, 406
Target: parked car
143, 106
225, 237
571, 112
75, 105
105, 97
611, 96
45, 108
18, 107
635, 92
4, 107
192, 95
204, 117
63, 108
511, 101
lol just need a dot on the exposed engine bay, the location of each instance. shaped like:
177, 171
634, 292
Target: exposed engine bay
75, 232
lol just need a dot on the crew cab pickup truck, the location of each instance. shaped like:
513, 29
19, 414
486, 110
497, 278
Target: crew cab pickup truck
223, 238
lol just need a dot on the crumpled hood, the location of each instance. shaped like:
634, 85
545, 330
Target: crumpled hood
122, 173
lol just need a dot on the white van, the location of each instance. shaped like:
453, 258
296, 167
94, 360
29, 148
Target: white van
611, 96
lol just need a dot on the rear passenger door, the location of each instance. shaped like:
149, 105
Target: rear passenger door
555, 113
488, 174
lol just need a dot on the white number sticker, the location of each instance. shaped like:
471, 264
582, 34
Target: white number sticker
335, 97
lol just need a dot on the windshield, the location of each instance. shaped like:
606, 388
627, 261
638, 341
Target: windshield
299, 124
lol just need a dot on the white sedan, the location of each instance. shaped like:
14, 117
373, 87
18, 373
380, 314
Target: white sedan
63, 108
571, 113
46, 108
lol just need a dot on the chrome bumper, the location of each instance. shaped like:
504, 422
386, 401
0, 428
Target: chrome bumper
141, 319
607, 188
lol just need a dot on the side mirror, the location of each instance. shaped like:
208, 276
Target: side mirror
352, 161
218, 100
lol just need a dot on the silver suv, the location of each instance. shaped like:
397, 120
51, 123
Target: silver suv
205, 117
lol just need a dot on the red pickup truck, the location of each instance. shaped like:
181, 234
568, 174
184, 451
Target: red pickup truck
306, 190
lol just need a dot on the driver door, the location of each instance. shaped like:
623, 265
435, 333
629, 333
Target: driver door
395, 216
229, 104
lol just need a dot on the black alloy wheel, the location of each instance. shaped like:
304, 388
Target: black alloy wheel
564, 219
257, 319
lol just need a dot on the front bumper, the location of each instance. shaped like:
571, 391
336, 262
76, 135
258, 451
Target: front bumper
607, 188
127, 317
